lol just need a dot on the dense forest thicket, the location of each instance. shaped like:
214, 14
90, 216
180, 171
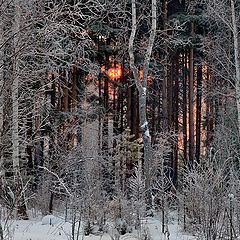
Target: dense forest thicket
119, 109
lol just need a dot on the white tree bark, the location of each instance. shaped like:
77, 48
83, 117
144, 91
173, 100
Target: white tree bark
142, 86
236, 59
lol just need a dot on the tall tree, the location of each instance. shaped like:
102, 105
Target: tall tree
191, 104
142, 86
198, 112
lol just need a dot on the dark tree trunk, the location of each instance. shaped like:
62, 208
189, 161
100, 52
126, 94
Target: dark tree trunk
51, 203
74, 88
191, 110
99, 115
122, 98
175, 118
209, 111
22, 212
170, 106
153, 110
65, 93
184, 107
165, 78
105, 134
29, 148
198, 112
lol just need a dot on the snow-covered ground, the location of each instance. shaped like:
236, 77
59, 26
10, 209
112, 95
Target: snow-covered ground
59, 230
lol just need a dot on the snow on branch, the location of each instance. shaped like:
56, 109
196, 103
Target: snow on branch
58, 178
146, 133
144, 125
144, 91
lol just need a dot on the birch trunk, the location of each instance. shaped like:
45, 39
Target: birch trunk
236, 59
142, 88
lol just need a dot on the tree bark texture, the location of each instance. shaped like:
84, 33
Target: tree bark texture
142, 86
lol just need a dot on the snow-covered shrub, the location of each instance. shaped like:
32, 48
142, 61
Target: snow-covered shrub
138, 195
121, 226
205, 198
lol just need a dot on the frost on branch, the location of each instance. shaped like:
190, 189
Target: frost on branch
144, 91
144, 125
147, 133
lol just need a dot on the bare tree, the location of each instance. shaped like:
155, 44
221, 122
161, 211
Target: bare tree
223, 41
142, 85
37, 38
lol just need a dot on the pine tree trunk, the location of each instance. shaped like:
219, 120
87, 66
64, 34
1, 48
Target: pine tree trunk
170, 97
122, 99
191, 105
184, 106
105, 134
170, 106
209, 111
175, 117
73, 107
74, 88
199, 113
65, 92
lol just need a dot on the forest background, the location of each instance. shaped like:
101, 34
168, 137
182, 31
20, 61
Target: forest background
120, 109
